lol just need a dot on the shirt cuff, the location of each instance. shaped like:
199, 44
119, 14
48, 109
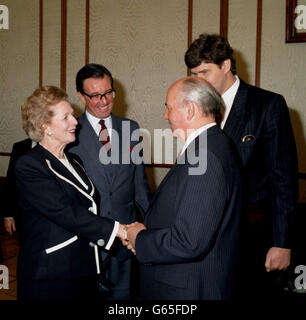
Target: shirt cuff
113, 236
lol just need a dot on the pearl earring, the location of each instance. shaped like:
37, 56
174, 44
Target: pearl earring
49, 133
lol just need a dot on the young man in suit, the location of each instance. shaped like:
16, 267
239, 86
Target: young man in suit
122, 184
258, 123
190, 249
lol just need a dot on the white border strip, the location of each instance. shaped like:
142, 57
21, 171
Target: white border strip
61, 245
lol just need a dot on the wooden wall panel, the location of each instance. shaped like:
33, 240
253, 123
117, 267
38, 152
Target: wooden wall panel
242, 36
52, 42
206, 17
143, 44
19, 70
75, 48
144, 63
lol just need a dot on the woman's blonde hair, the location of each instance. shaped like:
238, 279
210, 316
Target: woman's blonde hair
35, 110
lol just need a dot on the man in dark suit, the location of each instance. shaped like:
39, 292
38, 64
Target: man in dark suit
11, 209
122, 184
190, 249
258, 123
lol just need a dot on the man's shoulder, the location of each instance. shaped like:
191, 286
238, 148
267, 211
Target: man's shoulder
22, 144
82, 118
213, 141
257, 91
218, 140
32, 157
221, 146
19, 148
121, 119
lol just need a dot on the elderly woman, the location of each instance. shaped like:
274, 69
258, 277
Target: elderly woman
60, 231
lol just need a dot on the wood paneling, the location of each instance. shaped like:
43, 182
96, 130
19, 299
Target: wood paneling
41, 23
189, 37
224, 7
63, 43
87, 26
258, 43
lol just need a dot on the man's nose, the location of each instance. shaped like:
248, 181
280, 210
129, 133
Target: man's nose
103, 98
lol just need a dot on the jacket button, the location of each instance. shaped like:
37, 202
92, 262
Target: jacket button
101, 242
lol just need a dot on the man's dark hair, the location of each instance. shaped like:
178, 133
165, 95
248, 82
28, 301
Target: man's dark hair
91, 70
209, 49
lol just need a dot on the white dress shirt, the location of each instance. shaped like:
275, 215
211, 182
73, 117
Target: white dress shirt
94, 121
228, 98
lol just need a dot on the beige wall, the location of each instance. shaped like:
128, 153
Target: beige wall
143, 43
19, 69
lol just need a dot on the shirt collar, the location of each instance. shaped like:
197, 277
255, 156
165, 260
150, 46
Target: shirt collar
194, 134
228, 99
94, 121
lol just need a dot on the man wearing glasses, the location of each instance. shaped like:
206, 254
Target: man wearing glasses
122, 186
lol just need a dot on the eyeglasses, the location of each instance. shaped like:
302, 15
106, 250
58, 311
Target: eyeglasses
99, 96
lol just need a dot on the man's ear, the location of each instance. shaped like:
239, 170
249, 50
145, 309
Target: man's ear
190, 110
81, 97
226, 65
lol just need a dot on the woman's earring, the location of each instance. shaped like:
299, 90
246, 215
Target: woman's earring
49, 133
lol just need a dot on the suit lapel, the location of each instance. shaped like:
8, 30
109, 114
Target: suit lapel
238, 115
81, 172
58, 168
168, 175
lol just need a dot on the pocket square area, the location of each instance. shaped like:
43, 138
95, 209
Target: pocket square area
248, 138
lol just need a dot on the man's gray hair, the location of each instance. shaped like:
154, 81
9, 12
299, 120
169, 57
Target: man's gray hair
207, 98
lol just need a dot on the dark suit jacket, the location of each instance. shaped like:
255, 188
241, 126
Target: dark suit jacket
11, 208
191, 247
57, 221
119, 185
268, 156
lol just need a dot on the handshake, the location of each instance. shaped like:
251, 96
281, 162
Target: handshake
128, 233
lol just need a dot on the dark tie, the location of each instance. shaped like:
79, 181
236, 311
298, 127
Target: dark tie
103, 135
